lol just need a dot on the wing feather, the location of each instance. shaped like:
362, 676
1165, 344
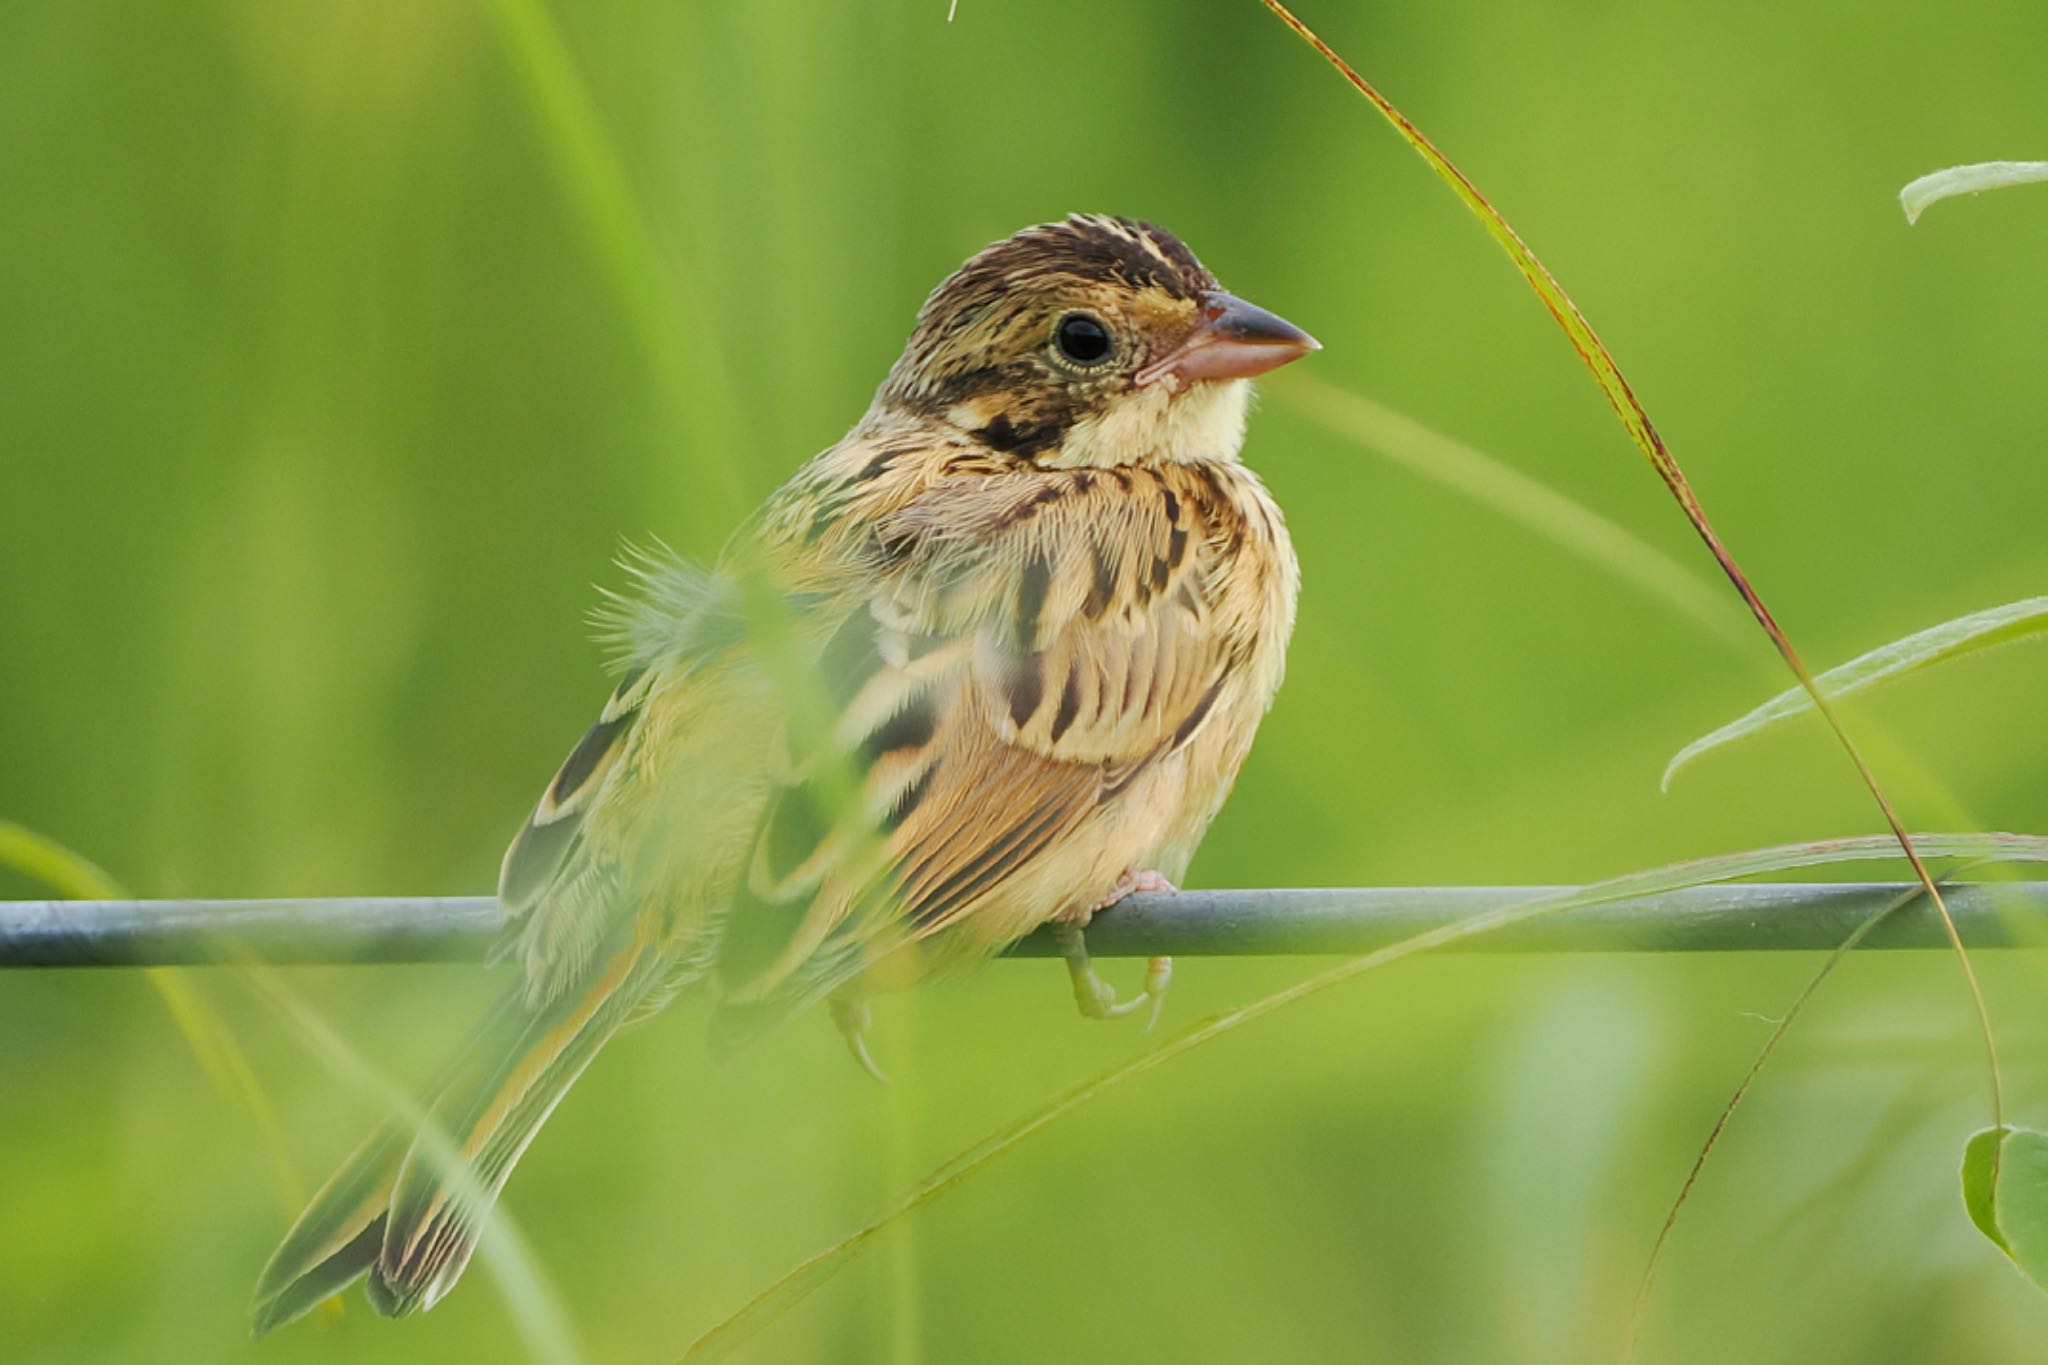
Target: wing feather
1024, 647
562, 884
1004, 655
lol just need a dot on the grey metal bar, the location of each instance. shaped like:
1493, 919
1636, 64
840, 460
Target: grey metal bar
196, 932
1737, 917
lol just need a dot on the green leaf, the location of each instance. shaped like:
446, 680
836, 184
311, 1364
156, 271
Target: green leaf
1972, 179
1980, 1173
2005, 1189
2021, 1201
2006, 1192
1970, 634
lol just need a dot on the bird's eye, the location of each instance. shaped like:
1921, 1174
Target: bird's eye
1082, 339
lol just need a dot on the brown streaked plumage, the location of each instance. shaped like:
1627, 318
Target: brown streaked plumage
988, 663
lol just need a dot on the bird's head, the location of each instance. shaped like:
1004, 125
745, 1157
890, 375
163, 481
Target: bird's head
1096, 341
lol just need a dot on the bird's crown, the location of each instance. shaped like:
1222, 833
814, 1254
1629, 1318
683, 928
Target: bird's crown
1073, 341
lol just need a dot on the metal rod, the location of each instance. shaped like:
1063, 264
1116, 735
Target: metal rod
1739, 917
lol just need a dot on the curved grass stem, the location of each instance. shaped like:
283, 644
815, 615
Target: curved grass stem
1636, 420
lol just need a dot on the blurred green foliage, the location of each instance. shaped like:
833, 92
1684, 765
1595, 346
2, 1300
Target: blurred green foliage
326, 396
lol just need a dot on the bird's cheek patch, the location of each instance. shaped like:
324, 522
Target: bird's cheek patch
973, 414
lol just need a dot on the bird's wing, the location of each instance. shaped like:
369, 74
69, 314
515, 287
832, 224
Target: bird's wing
571, 874
1026, 644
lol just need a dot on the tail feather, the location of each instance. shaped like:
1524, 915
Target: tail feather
435, 1214
336, 1238
408, 1211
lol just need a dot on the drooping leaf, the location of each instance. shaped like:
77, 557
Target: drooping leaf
1975, 178
1980, 630
2020, 1201
2005, 1191
1980, 1175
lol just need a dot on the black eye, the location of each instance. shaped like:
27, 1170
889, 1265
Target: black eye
1082, 339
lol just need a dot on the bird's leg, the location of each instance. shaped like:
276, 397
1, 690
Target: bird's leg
852, 1017
1096, 997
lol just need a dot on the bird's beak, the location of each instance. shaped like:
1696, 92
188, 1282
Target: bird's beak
1234, 340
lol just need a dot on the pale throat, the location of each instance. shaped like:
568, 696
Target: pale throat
1156, 424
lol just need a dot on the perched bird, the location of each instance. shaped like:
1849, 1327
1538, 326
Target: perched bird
989, 663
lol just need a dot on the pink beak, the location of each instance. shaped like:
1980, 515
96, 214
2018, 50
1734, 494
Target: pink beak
1234, 340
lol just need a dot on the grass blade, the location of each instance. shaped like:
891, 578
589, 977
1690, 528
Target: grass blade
1919, 195
1636, 420
1965, 635
529, 1298
1528, 502
71, 875
688, 367
206, 1034
809, 1276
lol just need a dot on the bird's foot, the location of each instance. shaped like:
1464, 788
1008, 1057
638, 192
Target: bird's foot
852, 1017
1147, 882
1096, 998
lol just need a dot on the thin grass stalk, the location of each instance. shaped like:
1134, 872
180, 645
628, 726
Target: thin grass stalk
1639, 1312
1636, 420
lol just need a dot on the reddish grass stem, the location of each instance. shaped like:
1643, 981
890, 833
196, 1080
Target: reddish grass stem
1636, 420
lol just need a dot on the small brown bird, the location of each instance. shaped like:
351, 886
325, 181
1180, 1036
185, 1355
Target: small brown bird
991, 662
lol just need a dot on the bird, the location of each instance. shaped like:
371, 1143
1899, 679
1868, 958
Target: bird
988, 664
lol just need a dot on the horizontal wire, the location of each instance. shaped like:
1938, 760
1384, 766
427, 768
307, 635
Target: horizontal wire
1741, 917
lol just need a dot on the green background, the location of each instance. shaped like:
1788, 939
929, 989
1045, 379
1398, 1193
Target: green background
337, 356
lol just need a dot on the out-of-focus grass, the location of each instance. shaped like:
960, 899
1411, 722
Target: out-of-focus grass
786, 1291
52, 867
1990, 628
319, 417
531, 1304
1536, 506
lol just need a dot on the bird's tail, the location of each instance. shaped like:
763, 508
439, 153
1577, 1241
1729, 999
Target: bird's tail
406, 1209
